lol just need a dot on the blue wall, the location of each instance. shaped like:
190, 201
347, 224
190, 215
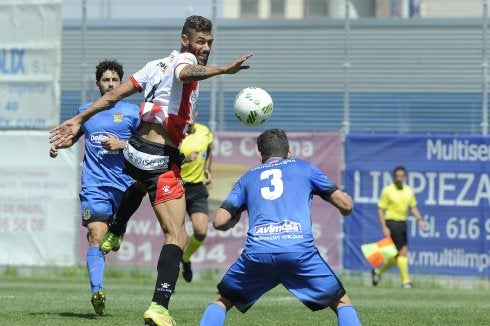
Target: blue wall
369, 112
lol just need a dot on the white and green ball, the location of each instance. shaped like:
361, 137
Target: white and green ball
253, 106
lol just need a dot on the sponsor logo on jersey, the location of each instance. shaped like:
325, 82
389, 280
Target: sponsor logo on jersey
118, 117
144, 161
285, 226
163, 67
107, 152
97, 138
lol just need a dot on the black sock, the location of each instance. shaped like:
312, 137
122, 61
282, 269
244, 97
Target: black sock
168, 273
129, 204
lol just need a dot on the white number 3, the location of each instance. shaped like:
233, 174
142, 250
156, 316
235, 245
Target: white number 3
276, 183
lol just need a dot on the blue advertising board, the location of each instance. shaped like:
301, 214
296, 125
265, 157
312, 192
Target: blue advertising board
450, 176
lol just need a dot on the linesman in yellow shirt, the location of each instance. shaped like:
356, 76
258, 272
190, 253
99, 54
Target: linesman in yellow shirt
395, 201
196, 174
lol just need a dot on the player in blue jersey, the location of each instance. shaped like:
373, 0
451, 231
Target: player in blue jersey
279, 247
103, 181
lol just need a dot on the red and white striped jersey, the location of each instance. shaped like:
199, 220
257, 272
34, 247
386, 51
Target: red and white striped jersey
168, 100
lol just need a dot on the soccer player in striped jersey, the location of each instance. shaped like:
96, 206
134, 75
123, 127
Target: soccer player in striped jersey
152, 156
279, 247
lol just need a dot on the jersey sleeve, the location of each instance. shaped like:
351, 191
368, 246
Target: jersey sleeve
413, 201
185, 58
383, 199
135, 120
181, 61
83, 107
210, 137
321, 185
235, 202
140, 78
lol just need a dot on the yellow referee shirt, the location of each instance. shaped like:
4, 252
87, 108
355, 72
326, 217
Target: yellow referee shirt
396, 202
199, 141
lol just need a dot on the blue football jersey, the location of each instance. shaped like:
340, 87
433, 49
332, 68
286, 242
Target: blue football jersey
102, 167
278, 196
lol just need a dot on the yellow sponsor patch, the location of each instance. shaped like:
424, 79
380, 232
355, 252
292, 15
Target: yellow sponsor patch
118, 117
86, 214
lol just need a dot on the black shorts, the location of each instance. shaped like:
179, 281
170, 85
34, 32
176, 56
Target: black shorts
398, 231
196, 198
155, 165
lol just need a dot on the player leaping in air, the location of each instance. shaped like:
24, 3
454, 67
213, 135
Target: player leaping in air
152, 156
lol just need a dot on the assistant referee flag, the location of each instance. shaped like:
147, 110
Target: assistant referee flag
377, 253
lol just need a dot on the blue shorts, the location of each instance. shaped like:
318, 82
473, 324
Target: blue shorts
99, 203
304, 274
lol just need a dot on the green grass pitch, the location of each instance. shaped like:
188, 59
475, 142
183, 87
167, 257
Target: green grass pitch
62, 297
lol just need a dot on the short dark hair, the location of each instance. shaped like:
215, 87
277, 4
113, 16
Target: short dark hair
273, 143
111, 65
399, 168
195, 24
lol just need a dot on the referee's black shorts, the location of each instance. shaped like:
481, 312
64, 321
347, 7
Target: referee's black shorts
196, 198
398, 231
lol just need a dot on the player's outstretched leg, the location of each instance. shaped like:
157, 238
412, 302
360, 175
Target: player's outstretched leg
168, 272
171, 215
110, 242
95, 268
130, 202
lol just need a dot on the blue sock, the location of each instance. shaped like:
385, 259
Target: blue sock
95, 267
214, 315
347, 316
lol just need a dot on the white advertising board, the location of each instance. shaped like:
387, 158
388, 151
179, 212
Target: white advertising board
30, 63
38, 201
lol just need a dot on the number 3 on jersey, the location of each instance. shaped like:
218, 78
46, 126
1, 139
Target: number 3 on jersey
276, 187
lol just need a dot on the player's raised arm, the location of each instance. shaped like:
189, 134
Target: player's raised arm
109, 99
70, 128
198, 72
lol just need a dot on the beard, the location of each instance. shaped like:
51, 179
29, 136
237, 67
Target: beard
399, 184
106, 90
202, 59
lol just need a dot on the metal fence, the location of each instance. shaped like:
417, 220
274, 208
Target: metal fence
369, 75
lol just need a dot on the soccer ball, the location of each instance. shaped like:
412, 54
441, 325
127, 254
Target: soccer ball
253, 106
